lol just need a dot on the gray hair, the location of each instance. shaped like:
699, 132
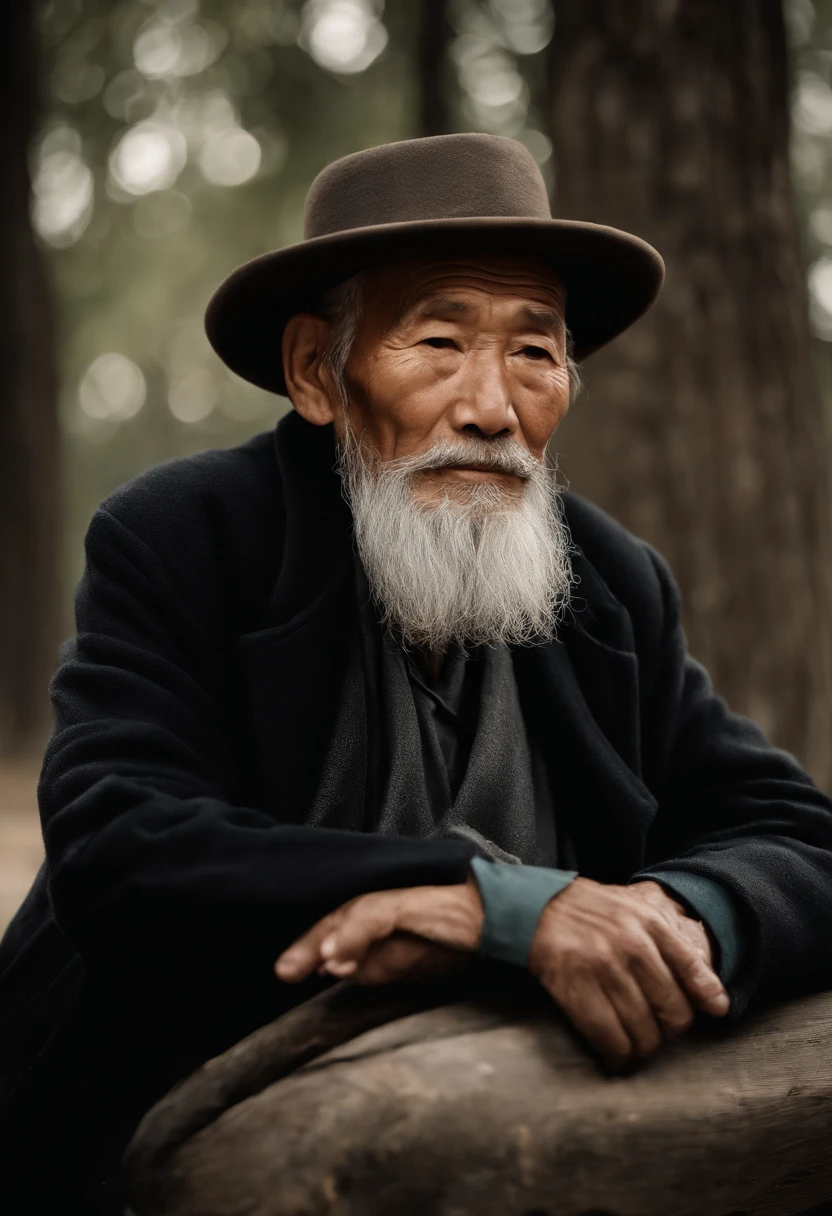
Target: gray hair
342, 306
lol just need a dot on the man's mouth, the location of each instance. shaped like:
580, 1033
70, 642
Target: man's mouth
475, 467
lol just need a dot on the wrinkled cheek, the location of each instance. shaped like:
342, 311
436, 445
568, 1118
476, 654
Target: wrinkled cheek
539, 416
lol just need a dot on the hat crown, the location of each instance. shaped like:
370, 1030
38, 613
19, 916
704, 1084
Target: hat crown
438, 177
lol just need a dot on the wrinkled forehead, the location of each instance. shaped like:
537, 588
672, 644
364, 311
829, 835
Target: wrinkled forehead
404, 288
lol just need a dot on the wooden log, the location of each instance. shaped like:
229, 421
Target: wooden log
491, 1105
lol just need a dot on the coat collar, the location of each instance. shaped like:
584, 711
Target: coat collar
580, 692
318, 523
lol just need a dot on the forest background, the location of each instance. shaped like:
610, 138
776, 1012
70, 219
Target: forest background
162, 144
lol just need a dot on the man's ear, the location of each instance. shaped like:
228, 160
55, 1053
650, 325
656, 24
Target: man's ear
304, 342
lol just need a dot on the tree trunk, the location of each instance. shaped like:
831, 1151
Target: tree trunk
29, 455
432, 67
702, 428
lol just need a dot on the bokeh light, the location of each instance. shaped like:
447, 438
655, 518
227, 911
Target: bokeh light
113, 388
820, 297
193, 397
526, 25
150, 156
163, 50
230, 157
820, 224
812, 107
342, 35
62, 188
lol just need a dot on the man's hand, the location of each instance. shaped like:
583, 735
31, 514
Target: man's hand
626, 964
403, 959
413, 932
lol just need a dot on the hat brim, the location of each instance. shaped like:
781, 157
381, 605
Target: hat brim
611, 278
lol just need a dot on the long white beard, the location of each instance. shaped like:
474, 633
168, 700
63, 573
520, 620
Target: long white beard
482, 567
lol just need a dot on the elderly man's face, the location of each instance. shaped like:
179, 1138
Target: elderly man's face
448, 349
456, 379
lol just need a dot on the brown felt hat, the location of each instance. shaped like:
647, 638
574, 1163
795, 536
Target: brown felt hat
431, 197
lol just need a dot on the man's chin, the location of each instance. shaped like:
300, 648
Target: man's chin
473, 497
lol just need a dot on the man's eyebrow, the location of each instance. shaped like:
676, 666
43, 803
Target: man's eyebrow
435, 306
549, 320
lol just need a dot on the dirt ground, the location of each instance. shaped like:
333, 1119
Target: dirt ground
21, 846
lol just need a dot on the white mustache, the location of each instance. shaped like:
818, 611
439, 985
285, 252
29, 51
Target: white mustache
503, 456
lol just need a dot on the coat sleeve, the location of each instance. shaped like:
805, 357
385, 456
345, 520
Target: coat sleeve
147, 851
735, 809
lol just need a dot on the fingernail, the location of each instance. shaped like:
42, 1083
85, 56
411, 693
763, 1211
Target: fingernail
344, 967
328, 946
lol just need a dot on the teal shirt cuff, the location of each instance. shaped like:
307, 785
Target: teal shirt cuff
513, 898
711, 903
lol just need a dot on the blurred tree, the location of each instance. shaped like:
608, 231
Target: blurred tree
180, 137
702, 428
435, 34
29, 482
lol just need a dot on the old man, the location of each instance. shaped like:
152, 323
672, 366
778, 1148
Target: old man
372, 693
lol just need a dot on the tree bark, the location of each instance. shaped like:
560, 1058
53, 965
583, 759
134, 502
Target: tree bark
702, 428
29, 451
434, 35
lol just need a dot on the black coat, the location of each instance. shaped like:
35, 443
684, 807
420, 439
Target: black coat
192, 714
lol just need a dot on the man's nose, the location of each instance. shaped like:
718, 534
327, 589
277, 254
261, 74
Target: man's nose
483, 396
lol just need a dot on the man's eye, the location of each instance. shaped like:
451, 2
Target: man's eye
440, 343
536, 352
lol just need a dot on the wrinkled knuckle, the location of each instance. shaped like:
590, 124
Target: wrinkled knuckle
605, 968
631, 921
652, 921
701, 974
631, 940
690, 958
710, 987
604, 952
678, 1023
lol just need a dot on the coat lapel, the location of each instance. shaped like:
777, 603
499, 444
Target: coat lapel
581, 696
294, 665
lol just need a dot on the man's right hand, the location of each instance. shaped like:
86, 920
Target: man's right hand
627, 965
